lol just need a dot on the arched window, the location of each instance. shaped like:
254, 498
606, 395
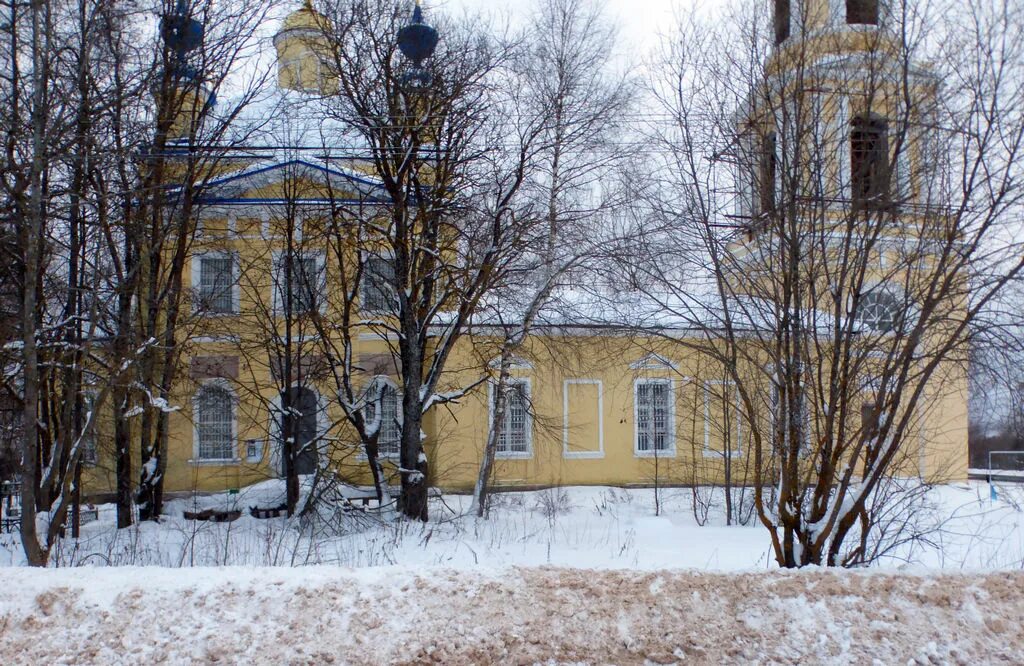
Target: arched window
781, 20
862, 12
879, 310
383, 394
298, 426
215, 423
869, 162
768, 172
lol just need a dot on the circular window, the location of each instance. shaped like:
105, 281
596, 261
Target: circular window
879, 310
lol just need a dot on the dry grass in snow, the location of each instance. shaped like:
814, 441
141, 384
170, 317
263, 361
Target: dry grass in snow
316, 615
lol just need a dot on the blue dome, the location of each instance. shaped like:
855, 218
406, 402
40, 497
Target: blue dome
417, 40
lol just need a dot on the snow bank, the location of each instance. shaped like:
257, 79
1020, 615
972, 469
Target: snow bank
515, 615
953, 527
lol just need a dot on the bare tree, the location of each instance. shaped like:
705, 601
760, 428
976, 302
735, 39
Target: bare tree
444, 222
832, 218
194, 132
80, 83
570, 89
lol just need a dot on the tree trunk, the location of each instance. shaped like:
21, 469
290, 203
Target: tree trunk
122, 458
413, 472
121, 398
35, 553
481, 492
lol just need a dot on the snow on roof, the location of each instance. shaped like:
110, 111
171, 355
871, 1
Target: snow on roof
697, 307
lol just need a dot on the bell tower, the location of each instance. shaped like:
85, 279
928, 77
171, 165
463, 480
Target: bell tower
835, 123
838, 164
303, 64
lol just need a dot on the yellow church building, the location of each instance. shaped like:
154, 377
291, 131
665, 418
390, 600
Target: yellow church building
597, 401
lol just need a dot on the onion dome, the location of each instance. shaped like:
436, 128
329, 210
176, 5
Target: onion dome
417, 40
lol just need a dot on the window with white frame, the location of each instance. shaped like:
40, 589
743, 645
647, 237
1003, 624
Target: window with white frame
302, 274
879, 310
514, 431
88, 443
215, 283
654, 413
377, 291
781, 409
382, 394
304, 72
215, 423
722, 423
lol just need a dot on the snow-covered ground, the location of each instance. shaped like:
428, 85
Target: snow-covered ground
403, 615
955, 527
564, 575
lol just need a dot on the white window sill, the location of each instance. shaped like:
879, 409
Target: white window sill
233, 339
711, 453
582, 455
658, 453
214, 462
513, 455
391, 457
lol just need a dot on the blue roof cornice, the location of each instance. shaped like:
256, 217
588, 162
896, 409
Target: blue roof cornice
232, 188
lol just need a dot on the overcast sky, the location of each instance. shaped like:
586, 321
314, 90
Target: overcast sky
640, 21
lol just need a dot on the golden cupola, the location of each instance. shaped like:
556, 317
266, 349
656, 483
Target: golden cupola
303, 52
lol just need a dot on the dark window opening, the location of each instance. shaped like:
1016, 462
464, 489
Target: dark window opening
862, 12
869, 163
768, 172
869, 417
781, 20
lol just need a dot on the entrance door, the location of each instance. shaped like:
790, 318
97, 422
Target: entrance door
298, 420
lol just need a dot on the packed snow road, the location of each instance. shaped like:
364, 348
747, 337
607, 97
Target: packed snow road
386, 615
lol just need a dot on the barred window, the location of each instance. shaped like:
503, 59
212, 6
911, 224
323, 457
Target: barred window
306, 279
389, 439
862, 12
514, 433
879, 310
215, 407
653, 416
215, 283
378, 284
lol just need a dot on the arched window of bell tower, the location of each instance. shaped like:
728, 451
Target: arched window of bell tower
869, 162
781, 21
768, 168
